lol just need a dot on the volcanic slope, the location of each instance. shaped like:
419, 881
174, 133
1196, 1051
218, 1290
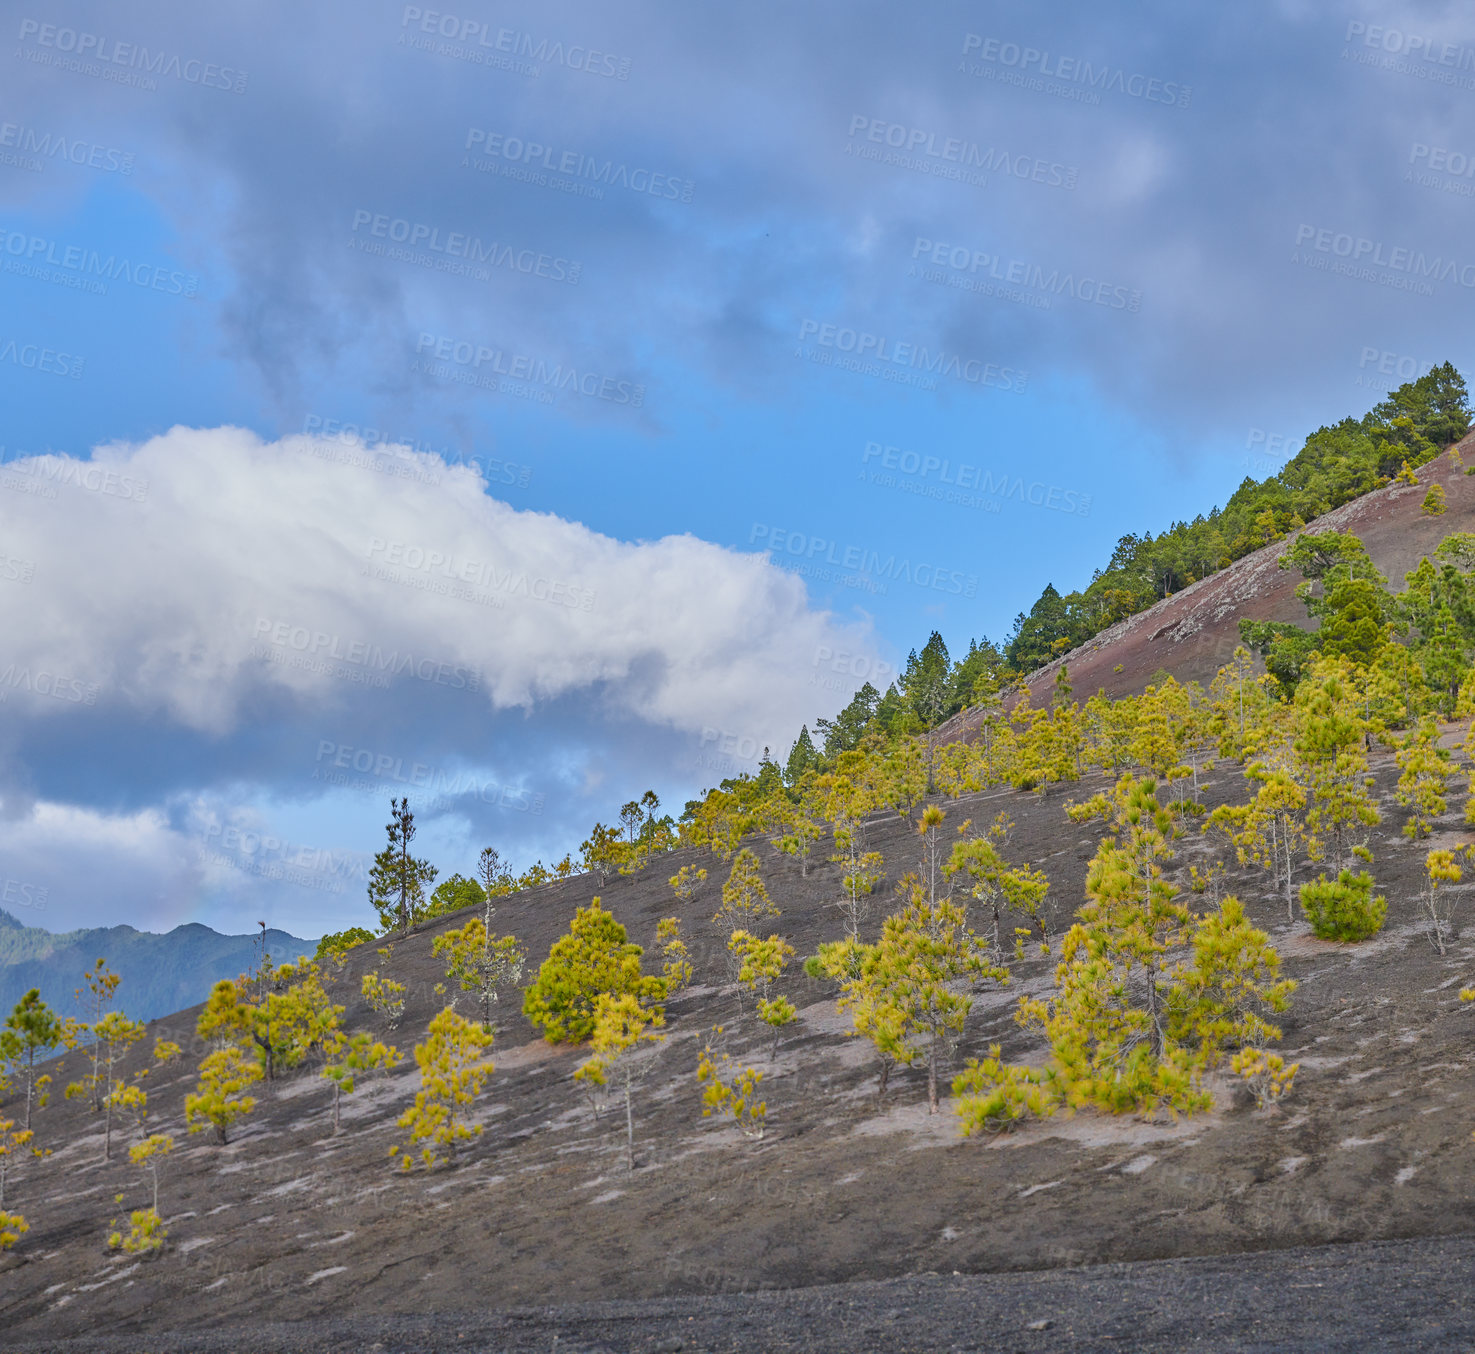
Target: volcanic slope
1193, 633
289, 1221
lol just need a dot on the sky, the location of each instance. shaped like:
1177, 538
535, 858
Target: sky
520, 407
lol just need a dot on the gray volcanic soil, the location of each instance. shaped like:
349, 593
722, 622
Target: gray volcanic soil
289, 1223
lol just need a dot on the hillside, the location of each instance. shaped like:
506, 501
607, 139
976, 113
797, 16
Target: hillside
1193, 633
288, 1221
161, 973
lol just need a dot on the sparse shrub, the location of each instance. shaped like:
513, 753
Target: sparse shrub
363, 1054
1266, 1074
994, 1096
145, 1235
686, 881
1440, 867
12, 1227
731, 1092
14, 1144
453, 1071
675, 959
1344, 908
385, 996
166, 1052
1434, 503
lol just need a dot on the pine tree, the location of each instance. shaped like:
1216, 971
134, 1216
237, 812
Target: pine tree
481, 963
621, 1026
803, 756
397, 881
35, 1029
1426, 772
218, 1102
996, 884
453, 1070
354, 1055
744, 898
594, 958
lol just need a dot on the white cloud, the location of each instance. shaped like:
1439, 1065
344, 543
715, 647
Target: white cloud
188, 575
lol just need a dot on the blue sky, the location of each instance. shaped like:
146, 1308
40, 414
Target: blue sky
727, 355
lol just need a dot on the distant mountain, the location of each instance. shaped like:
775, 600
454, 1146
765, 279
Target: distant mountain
161, 973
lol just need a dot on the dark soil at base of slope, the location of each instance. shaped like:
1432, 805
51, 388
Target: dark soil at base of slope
1404, 1295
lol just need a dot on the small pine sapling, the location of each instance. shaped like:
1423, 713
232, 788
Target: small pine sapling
357, 1054
1266, 1074
621, 1026
861, 871
113, 1036
31, 1029
145, 1235
731, 1092
1426, 771
453, 1070
12, 1227
595, 957
1344, 908
218, 1103
761, 963
384, 996
15, 1145
994, 1096
1440, 867
744, 898
482, 963
675, 958
686, 881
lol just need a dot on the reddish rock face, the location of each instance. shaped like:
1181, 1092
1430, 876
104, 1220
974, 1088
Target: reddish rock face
1193, 633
